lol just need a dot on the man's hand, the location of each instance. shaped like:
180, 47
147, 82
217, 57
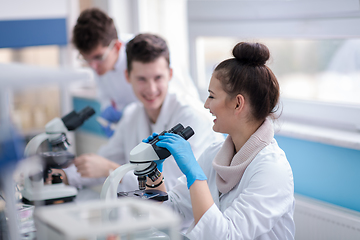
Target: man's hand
94, 166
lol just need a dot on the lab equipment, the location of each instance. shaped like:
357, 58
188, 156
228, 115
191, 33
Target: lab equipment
142, 161
55, 135
152, 194
11, 152
15, 76
123, 219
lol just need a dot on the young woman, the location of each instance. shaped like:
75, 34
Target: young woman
242, 188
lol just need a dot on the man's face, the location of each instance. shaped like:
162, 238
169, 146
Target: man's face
150, 84
102, 59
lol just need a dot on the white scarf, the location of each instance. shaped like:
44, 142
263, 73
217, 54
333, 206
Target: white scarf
230, 166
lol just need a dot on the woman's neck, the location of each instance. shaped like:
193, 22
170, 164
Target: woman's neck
243, 133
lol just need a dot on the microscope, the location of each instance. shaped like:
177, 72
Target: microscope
142, 159
57, 157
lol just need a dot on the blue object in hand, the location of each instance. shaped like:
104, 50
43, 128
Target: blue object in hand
107, 130
183, 155
111, 114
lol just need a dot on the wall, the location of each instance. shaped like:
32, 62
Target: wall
33, 23
324, 172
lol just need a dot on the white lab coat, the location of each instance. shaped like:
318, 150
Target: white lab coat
260, 206
135, 126
113, 85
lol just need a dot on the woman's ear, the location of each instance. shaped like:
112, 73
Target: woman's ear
239, 103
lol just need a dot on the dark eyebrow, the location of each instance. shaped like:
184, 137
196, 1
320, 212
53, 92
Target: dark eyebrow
210, 91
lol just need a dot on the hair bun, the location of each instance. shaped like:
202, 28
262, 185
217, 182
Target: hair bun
251, 53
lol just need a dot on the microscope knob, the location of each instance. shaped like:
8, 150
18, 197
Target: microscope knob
56, 178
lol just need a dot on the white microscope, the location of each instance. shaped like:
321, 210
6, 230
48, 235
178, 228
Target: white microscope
142, 159
35, 191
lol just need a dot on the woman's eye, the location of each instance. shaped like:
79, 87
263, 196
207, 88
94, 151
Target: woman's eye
210, 97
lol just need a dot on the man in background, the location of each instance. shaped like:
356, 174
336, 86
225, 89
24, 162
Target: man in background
99, 45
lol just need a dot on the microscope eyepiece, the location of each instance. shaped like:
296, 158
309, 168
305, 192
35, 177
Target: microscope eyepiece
74, 120
186, 133
178, 128
86, 113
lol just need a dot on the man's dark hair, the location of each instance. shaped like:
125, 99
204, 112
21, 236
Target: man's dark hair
93, 27
146, 48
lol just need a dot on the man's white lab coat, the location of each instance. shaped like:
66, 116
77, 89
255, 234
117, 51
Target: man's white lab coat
135, 126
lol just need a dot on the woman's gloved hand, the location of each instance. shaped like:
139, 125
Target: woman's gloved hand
151, 137
159, 163
183, 155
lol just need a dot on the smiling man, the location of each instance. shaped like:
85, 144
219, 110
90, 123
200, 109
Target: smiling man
103, 49
149, 74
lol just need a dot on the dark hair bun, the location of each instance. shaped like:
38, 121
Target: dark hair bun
251, 53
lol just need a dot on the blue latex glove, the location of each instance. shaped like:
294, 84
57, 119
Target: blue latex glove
183, 155
107, 130
159, 163
111, 114
151, 137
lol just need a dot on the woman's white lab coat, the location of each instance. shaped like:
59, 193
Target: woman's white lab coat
260, 206
135, 126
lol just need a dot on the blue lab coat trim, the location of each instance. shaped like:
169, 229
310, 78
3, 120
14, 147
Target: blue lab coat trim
34, 32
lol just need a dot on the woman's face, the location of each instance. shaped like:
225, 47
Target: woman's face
220, 107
